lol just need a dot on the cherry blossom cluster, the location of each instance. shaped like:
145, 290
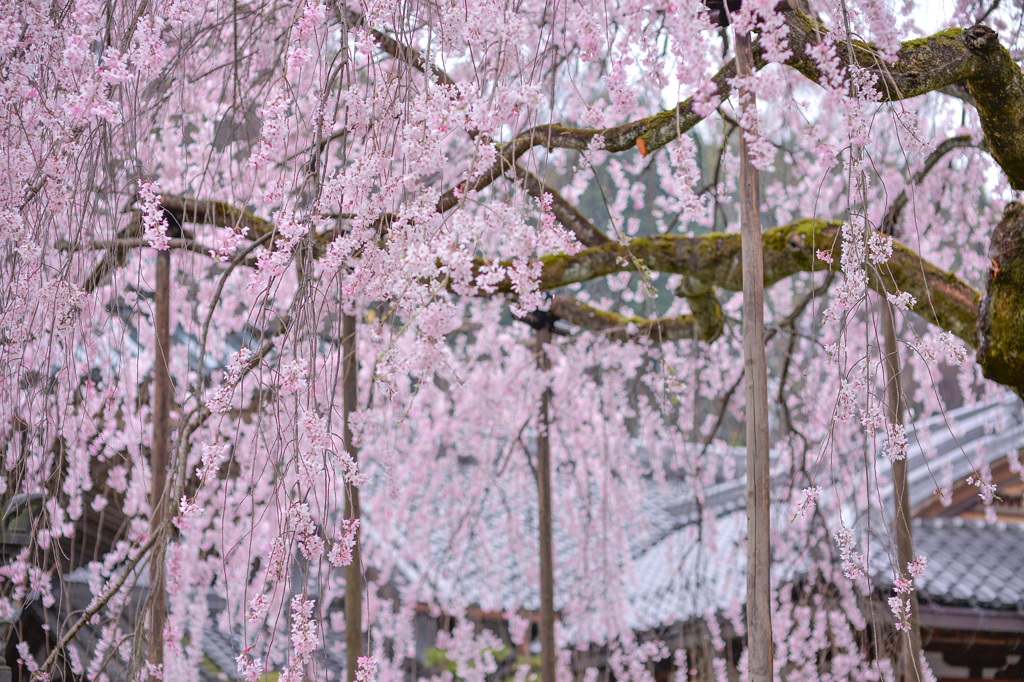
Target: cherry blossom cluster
373, 142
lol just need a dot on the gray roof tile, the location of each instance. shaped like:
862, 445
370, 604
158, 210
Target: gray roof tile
971, 562
674, 578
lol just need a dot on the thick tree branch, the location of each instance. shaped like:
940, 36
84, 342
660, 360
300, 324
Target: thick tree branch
400, 51
960, 91
935, 63
973, 55
943, 299
646, 134
217, 213
943, 62
116, 244
567, 214
892, 215
708, 318
622, 328
116, 257
180, 211
713, 260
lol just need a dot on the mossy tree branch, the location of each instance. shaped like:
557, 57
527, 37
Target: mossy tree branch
217, 213
1001, 314
713, 261
943, 299
937, 63
705, 322
971, 55
708, 261
620, 327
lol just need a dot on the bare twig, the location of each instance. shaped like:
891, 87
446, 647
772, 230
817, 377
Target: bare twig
93, 609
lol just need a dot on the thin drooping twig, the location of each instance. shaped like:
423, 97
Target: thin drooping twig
787, 322
198, 416
239, 258
182, 449
894, 399
857, 183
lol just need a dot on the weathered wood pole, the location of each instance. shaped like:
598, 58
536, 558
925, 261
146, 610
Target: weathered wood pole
158, 458
353, 572
901, 492
547, 562
759, 617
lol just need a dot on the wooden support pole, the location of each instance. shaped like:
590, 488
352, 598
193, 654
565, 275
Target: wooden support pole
901, 492
759, 617
547, 561
158, 458
353, 572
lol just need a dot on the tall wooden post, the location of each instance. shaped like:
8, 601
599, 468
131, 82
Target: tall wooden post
353, 572
158, 457
547, 561
759, 617
901, 492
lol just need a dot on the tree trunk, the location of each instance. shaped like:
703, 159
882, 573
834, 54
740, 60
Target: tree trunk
547, 568
158, 458
353, 572
759, 619
901, 493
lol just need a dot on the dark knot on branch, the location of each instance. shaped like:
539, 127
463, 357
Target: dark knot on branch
980, 38
543, 319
